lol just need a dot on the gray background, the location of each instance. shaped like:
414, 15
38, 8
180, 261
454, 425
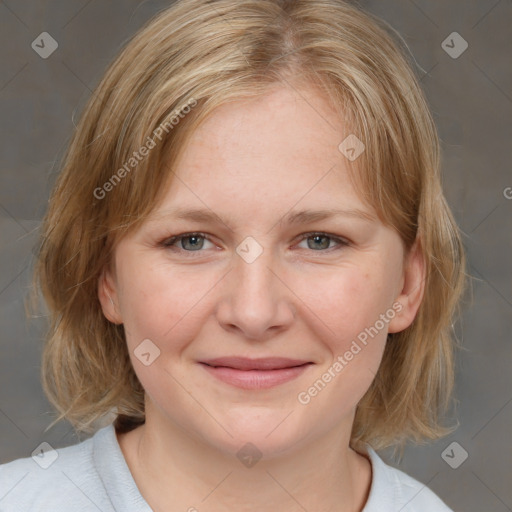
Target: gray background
471, 100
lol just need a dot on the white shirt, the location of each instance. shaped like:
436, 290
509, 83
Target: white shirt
93, 476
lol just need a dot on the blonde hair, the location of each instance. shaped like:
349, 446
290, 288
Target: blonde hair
203, 54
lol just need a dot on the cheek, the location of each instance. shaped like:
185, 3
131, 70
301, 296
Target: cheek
352, 333
346, 301
156, 300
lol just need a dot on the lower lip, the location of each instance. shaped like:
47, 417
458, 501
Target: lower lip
255, 379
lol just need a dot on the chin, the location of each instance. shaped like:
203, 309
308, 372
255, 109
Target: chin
273, 433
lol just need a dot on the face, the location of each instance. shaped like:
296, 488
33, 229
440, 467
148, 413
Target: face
251, 283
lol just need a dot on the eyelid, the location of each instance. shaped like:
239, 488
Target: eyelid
327, 234
341, 241
168, 241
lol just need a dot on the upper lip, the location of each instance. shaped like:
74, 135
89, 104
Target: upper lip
264, 363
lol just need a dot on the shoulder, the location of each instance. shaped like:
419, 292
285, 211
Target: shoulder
58, 480
392, 490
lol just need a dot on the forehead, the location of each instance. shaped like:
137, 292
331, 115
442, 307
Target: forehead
274, 151
285, 120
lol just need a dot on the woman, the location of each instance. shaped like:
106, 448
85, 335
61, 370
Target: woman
250, 264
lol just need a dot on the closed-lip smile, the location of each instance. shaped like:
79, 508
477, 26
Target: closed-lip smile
260, 373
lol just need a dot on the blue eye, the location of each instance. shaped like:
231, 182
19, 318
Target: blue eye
322, 241
195, 242
190, 242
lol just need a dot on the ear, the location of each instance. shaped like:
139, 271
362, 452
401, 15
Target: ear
413, 287
107, 294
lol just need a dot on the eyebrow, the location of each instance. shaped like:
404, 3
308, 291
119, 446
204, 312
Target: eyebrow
291, 218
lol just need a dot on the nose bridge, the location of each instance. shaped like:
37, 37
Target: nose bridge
253, 274
255, 287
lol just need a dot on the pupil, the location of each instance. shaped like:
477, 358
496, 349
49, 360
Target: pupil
318, 238
195, 241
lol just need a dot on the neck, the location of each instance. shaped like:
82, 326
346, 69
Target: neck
173, 467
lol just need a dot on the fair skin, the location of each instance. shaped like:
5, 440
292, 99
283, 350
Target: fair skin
252, 163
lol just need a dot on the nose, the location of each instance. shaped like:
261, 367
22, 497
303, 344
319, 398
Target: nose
256, 299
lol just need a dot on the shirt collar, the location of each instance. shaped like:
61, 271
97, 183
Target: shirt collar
383, 489
115, 474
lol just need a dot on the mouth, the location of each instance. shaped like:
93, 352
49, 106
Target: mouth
261, 373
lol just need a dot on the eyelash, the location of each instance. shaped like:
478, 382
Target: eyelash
169, 242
